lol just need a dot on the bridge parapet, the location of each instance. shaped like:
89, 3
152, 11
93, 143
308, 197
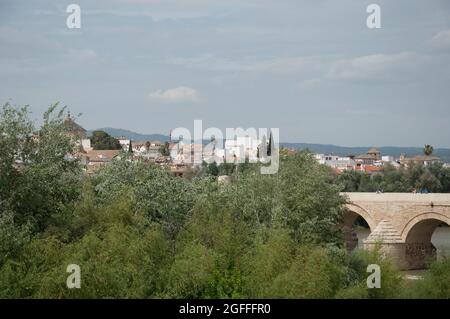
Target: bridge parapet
436, 198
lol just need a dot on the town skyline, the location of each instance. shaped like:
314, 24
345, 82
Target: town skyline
159, 135
185, 155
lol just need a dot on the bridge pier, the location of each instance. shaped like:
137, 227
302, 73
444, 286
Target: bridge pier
387, 239
419, 255
394, 251
407, 256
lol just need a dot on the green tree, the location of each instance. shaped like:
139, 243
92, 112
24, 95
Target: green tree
164, 199
130, 147
226, 168
16, 144
103, 141
349, 181
428, 150
434, 177
164, 150
428, 181
435, 284
40, 175
120, 257
311, 201
213, 169
12, 237
269, 147
355, 286
191, 272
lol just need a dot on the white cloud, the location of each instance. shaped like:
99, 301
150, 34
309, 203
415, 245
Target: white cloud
441, 40
376, 67
280, 65
178, 94
309, 84
82, 55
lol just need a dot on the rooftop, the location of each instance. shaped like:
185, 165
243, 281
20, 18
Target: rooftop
72, 126
102, 155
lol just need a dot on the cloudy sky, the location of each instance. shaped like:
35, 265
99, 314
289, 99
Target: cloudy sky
310, 68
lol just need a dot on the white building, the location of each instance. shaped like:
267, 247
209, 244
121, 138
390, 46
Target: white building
242, 147
387, 159
86, 145
124, 142
232, 151
341, 163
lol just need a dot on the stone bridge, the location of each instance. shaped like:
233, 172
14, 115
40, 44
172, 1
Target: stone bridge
400, 223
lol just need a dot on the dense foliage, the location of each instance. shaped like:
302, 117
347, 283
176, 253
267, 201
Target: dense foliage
101, 140
138, 232
432, 178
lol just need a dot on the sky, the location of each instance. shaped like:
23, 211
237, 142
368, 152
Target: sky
313, 69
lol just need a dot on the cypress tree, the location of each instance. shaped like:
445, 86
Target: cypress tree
269, 148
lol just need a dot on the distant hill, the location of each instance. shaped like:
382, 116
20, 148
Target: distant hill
443, 153
117, 132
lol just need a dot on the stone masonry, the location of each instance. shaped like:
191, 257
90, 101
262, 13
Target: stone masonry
401, 224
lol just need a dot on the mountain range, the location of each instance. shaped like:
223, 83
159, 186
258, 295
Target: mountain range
443, 153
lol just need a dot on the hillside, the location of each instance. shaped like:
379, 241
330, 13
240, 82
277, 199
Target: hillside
116, 132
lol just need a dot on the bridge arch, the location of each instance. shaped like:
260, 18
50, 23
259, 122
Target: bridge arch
358, 210
417, 234
352, 213
425, 219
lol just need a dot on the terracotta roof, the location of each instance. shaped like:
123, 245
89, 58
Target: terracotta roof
101, 155
426, 158
336, 171
138, 143
370, 168
373, 169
